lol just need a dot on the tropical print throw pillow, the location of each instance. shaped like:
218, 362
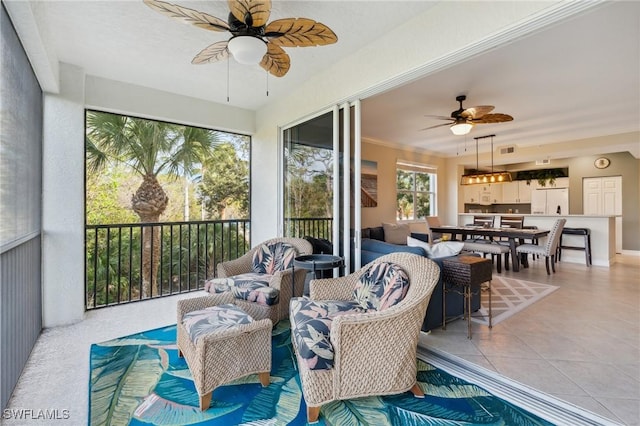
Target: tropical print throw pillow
382, 286
271, 258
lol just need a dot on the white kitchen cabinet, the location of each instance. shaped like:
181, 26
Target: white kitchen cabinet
482, 194
471, 194
516, 192
495, 191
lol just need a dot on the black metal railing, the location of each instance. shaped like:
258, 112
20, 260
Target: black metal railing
317, 227
132, 262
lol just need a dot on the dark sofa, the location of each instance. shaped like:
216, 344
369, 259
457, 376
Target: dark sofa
374, 246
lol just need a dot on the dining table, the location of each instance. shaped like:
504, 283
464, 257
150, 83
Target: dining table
514, 236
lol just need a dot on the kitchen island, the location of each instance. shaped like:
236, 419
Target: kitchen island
603, 234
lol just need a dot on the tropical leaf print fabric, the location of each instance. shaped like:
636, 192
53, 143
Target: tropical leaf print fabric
216, 318
271, 258
218, 285
310, 326
381, 287
251, 286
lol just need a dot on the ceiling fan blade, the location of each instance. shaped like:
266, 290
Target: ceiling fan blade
299, 32
276, 61
476, 111
440, 117
492, 118
188, 16
437, 125
259, 10
213, 53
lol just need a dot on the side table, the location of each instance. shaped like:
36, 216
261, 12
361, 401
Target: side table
317, 262
463, 275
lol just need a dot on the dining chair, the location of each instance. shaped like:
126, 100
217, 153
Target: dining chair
433, 222
548, 250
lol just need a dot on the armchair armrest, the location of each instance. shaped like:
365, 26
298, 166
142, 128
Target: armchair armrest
237, 266
340, 288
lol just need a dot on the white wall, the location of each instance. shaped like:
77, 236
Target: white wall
63, 201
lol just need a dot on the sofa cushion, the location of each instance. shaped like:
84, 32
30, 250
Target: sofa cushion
396, 233
311, 326
271, 258
213, 319
382, 286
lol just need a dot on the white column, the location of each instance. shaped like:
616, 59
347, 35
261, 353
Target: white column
63, 201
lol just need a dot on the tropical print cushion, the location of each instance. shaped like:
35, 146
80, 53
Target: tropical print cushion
310, 327
218, 285
381, 287
250, 286
255, 291
216, 318
271, 258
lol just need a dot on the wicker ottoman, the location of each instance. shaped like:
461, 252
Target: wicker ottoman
221, 344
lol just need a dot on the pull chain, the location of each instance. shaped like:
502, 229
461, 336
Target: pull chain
228, 79
267, 83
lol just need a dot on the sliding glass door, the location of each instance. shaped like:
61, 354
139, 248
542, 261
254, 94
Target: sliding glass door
316, 157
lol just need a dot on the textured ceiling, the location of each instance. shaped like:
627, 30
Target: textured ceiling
577, 79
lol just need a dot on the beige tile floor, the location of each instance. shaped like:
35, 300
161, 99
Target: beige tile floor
580, 344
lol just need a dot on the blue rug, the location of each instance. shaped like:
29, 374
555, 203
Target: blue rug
140, 380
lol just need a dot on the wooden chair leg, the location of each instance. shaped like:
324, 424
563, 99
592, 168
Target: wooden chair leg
546, 262
205, 401
553, 263
312, 414
264, 378
416, 391
499, 264
506, 261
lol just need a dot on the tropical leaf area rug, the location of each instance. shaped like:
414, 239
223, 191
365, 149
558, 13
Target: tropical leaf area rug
140, 380
508, 297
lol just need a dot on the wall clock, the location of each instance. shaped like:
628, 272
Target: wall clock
602, 163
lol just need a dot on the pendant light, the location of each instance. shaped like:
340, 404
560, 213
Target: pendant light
484, 178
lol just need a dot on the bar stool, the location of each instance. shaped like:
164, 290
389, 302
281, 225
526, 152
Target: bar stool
586, 232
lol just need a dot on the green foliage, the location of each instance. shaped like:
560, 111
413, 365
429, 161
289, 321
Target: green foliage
104, 204
308, 182
413, 194
543, 176
224, 189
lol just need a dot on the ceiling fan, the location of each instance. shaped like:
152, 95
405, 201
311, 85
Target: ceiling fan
462, 120
253, 39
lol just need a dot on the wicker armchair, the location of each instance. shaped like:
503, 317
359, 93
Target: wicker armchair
283, 281
374, 352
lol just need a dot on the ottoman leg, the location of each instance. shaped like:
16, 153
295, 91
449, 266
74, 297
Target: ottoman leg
264, 378
205, 401
312, 414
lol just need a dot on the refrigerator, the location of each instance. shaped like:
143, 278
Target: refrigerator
550, 201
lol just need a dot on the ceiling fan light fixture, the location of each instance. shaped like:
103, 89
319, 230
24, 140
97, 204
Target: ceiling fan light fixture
247, 50
461, 128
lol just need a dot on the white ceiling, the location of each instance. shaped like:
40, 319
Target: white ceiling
577, 79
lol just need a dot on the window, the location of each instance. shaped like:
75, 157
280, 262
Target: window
416, 191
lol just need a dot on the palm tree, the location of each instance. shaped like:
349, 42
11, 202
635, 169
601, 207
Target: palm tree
149, 148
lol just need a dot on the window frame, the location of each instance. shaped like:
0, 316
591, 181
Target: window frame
431, 192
